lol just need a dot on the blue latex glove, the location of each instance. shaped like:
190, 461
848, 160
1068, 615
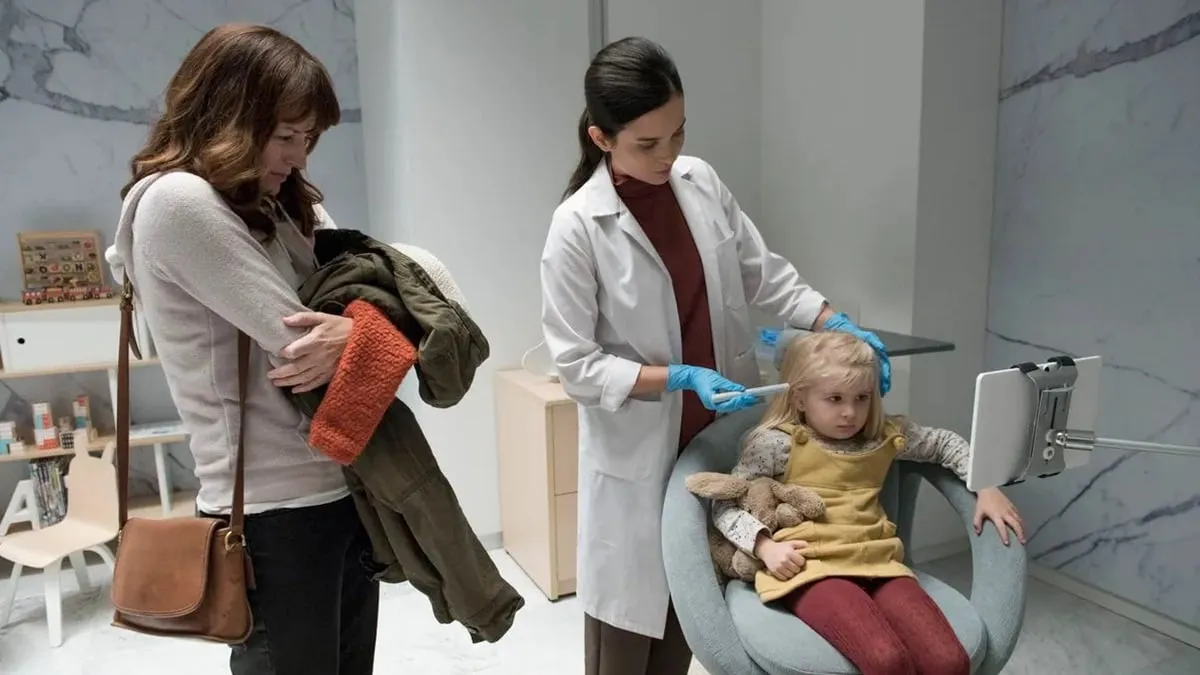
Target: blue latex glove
841, 322
705, 383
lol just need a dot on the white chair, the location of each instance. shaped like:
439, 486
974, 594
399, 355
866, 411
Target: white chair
90, 523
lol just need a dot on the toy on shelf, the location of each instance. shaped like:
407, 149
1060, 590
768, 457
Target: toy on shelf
66, 433
83, 418
45, 433
8, 439
61, 267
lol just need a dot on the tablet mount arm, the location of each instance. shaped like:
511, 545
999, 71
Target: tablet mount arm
1049, 436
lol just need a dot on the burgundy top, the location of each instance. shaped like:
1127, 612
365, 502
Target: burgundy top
658, 213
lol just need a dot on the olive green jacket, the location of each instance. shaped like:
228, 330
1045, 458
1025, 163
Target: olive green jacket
418, 530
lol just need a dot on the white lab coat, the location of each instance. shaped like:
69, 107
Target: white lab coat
608, 307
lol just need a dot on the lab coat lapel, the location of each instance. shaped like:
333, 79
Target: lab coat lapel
602, 196
609, 205
629, 225
705, 233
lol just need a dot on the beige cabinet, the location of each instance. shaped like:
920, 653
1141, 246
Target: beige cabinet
537, 433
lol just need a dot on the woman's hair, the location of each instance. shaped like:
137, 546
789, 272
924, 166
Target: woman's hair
221, 108
627, 79
809, 359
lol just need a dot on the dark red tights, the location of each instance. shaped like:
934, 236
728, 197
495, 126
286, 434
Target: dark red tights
883, 627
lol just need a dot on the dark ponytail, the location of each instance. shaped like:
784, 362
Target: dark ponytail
627, 79
590, 156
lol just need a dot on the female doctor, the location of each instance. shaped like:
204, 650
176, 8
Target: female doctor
648, 273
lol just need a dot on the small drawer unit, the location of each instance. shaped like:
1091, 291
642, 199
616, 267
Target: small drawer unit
537, 430
56, 336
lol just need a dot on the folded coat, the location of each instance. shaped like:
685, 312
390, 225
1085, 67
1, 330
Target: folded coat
402, 320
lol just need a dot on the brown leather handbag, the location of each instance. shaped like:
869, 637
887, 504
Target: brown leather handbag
179, 577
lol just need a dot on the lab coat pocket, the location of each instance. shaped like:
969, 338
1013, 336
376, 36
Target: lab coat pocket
745, 368
630, 443
733, 290
739, 334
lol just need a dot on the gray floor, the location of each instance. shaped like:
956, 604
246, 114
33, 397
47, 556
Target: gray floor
1062, 634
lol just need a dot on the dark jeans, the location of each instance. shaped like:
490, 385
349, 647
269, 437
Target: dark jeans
315, 606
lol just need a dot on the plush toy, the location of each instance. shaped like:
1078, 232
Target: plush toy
776, 505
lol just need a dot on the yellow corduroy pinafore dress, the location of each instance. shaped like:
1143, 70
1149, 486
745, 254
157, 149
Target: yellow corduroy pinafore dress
854, 538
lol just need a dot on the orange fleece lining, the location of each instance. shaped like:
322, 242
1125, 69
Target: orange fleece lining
376, 359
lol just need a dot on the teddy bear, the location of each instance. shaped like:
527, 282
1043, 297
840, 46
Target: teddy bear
776, 505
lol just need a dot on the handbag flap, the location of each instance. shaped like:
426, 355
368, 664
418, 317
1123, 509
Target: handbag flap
163, 565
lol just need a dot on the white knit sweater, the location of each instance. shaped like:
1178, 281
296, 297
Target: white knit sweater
436, 270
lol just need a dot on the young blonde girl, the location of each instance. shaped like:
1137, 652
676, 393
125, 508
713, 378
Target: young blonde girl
843, 574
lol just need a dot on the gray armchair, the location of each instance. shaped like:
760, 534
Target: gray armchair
733, 633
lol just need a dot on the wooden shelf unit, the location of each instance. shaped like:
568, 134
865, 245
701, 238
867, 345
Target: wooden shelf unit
32, 341
74, 369
96, 445
14, 307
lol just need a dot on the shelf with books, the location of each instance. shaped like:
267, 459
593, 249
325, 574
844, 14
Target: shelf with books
65, 338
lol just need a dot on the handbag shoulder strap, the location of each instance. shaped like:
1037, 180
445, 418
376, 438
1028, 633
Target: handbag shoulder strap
128, 344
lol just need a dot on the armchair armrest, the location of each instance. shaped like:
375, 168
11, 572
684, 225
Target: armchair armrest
998, 575
698, 597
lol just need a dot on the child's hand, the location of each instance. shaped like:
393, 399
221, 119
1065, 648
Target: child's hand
991, 504
782, 558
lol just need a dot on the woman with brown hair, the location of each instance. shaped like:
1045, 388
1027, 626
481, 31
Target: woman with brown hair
215, 236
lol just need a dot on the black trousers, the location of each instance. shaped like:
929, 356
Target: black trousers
315, 605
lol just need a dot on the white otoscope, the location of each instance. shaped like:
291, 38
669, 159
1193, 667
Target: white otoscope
761, 392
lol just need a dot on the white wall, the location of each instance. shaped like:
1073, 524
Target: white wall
469, 116
878, 131
715, 46
840, 134
959, 109
379, 94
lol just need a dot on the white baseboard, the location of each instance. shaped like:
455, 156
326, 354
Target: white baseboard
1132, 611
491, 541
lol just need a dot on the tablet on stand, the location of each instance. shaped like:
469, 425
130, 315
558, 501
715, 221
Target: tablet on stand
1033, 420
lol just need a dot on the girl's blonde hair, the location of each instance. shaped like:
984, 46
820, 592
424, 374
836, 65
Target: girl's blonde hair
809, 359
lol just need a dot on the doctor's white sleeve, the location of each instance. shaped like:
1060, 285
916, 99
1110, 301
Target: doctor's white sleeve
570, 312
771, 282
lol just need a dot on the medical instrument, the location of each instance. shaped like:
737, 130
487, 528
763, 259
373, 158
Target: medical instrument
761, 392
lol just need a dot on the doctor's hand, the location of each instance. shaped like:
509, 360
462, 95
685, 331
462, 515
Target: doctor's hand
312, 359
706, 383
841, 322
